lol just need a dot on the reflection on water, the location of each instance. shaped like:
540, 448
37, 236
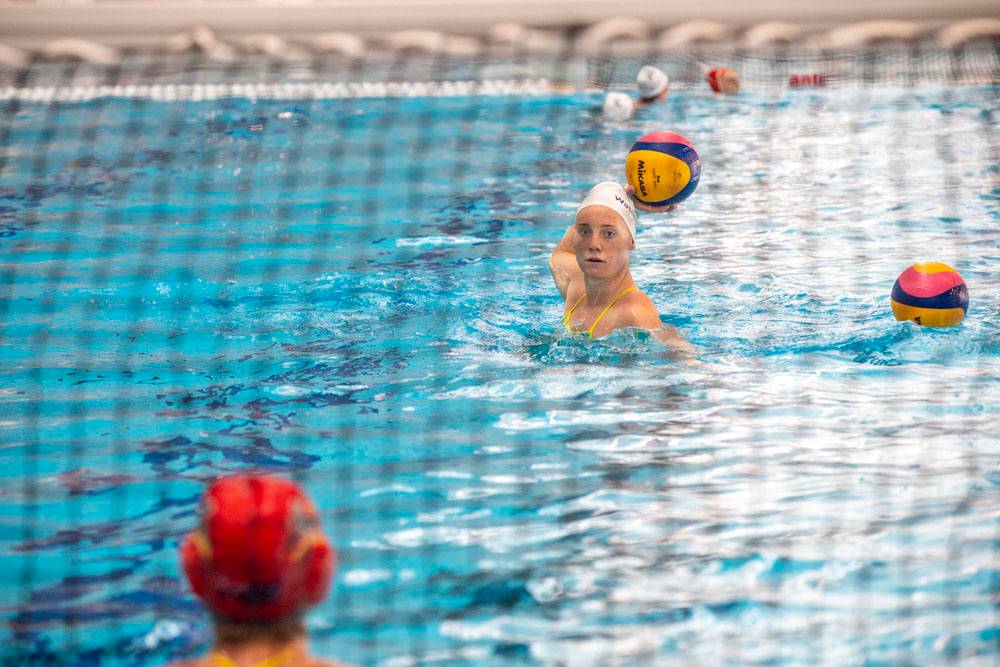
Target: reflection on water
819, 486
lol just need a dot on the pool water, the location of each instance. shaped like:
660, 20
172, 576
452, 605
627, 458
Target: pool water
355, 292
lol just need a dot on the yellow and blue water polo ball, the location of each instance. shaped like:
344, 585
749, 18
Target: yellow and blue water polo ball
931, 294
663, 167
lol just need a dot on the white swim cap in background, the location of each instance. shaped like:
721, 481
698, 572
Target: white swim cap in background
618, 106
651, 81
613, 196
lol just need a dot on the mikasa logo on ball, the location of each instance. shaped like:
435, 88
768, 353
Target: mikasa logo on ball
641, 170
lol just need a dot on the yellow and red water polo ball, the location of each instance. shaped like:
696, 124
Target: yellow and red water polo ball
663, 167
931, 294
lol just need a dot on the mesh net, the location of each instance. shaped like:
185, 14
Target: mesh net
336, 270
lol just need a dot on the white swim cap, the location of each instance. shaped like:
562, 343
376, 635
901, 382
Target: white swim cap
652, 81
613, 196
618, 106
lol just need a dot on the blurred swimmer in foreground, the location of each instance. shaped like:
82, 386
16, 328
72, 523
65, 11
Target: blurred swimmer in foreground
590, 267
258, 561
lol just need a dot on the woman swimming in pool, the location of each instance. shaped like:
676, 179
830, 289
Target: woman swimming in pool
591, 269
258, 559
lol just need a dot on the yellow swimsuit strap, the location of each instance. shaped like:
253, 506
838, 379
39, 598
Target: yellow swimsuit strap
276, 660
569, 313
590, 331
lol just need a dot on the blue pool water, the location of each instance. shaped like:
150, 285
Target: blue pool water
355, 293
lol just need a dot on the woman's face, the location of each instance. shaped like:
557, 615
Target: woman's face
729, 82
602, 242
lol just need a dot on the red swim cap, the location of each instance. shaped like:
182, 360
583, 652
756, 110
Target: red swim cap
714, 75
259, 554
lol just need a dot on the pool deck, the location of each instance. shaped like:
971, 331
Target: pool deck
30, 23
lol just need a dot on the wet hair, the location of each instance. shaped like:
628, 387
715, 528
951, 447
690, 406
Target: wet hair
279, 631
